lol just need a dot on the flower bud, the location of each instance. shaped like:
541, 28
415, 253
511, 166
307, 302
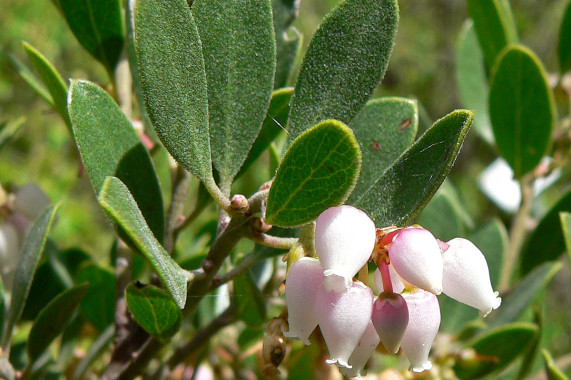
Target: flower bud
423, 324
344, 239
343, 318
31, 201
302, 285
467, 278
398, 285
416, 257
390, 318
365, 348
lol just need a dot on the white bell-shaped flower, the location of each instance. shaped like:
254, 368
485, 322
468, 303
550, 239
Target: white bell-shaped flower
343, 318
365, 348
398, 285
423, 324
390, 318
467, 278
344, 239
416, 257
303, 282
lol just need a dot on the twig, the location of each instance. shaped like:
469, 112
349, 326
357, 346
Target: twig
179, 193
273, 241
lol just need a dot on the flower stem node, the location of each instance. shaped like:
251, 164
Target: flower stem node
390, 318
423, 324
466, 277
343, 318
416, 257
344, 239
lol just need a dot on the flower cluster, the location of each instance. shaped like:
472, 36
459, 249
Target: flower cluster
413, 267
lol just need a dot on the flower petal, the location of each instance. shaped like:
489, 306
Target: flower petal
390, 318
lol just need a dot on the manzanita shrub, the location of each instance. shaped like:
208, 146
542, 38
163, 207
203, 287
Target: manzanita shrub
382, 268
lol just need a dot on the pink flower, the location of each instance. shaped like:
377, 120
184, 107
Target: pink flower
362, 353
390, 318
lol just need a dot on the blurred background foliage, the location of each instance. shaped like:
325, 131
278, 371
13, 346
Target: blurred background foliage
422, 66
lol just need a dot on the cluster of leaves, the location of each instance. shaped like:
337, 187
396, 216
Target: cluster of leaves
210, 79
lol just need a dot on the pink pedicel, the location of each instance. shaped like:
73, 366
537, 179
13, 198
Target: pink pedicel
467, 278
398, 285
416, 257
344, 239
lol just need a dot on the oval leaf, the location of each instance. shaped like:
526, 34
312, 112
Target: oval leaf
564, 46
109, 146
522, 108
384, 128
98, 26
173, 81
153, 310
98, 304
288, 39
239, 52
318, 171
30, 255
344, 63
494, 26
403, 189
52, 320
118, 202
497, 348
472, 79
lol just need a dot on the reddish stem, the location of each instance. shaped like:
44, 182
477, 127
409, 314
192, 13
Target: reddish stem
386, 276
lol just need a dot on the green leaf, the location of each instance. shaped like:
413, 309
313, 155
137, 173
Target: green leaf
29, 258
496, 349
494, 27
31, 79
404, 188
154, 310
492, 239
566, 227
173, 81
98, 304
318, 171
8, 130
528, 360
98, 26
52, 79
522, 108
249, 300
441, 218
473, 82
120, 205
455, 314
288, 39
52, 320
546, 242
519, 299
240, 60
344, 63
276, 119
384, 128
564, 46
109, 146
551, 370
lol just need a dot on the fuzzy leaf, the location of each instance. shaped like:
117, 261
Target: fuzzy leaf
239, 49
318, 171
154, 310
30, 255
98, 26
564, 46
288, 39
404, 188
53, 81
345, 61
522, 108
497, 348
120, 205
98, 304
276, 119
472, 79
173, 81
384, 128
52, 320
519, 299
109, 146
546, 242
494, 27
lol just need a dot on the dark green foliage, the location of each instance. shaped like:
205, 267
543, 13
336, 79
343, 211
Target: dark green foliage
564, 46
98, 304
249, 300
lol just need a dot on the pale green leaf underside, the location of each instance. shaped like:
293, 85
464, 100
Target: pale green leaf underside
120, 205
